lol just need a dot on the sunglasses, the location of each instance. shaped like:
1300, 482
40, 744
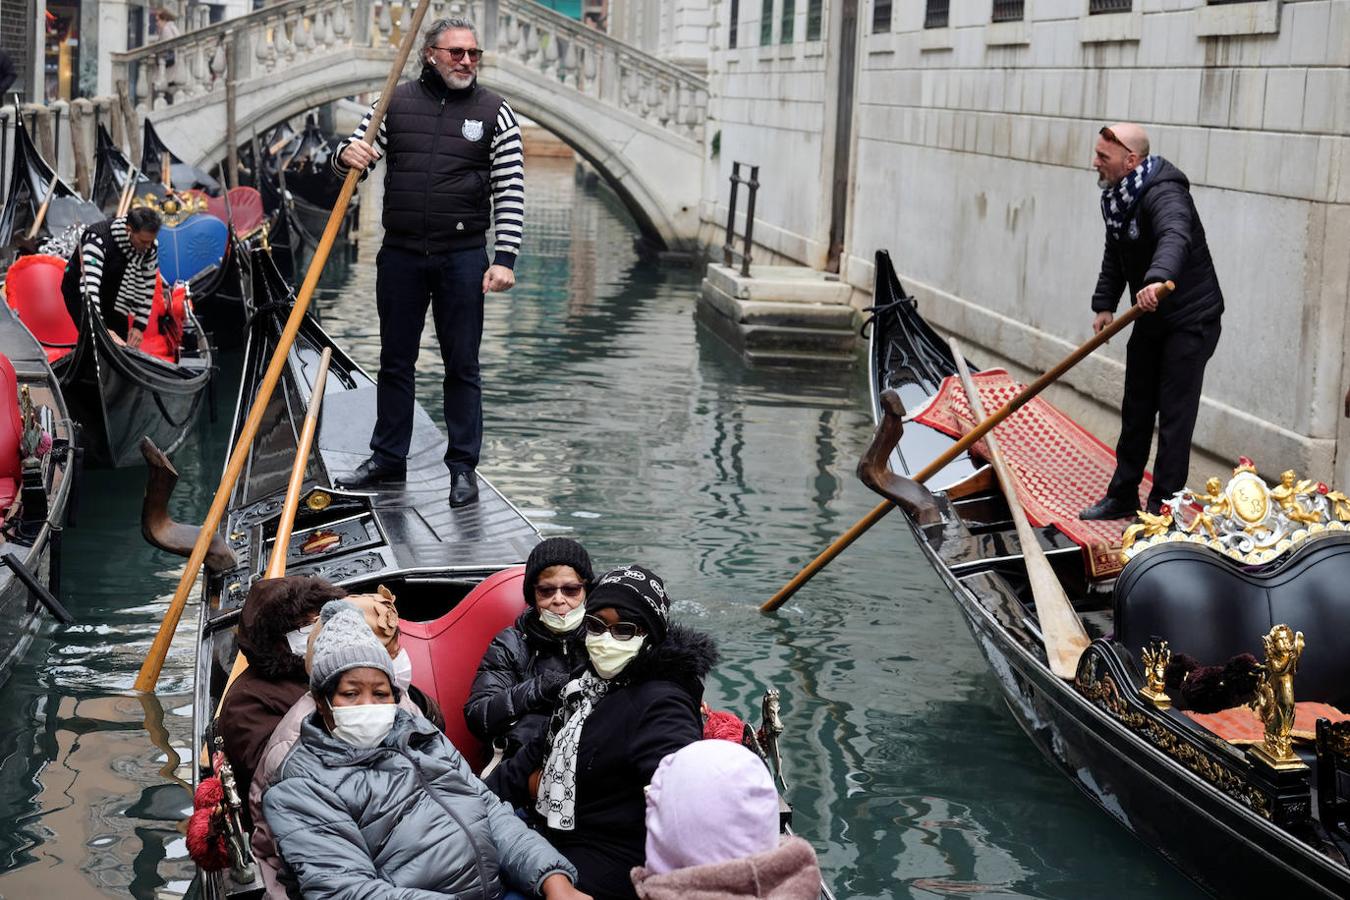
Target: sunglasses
457, 53
570, 591
1111, 138
622, 631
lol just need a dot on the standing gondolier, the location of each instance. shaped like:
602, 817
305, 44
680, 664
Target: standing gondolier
1153, 235
115, 263
455, 167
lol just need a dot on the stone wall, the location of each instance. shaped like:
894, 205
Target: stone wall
971, 159
16, 28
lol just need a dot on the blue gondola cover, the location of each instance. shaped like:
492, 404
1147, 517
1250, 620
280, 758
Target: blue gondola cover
190, 246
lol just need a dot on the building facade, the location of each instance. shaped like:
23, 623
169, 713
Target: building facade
958, 136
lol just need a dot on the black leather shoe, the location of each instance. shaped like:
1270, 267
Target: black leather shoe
370, 474
463, 489
1107, 508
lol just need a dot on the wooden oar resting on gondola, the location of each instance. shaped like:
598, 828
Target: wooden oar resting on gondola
1165, 722
37, 196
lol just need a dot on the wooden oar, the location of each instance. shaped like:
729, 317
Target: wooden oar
154, 660
1061, 630
860, 527
42, 210
166, 170
128, 192
276, 565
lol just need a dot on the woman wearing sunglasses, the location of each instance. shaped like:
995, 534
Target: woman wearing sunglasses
527, 664
637, 701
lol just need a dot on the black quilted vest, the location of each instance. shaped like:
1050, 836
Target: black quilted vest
437, 192
114, 265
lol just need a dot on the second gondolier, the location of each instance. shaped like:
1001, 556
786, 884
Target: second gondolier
454, 167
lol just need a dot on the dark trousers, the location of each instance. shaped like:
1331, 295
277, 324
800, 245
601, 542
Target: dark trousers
452, 283
1164, 372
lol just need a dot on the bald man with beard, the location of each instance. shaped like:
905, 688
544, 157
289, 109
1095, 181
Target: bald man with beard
1153, 235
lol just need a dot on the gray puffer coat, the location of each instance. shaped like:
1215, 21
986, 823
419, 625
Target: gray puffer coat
405, 820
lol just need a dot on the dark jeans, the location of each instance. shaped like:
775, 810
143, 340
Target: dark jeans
1164, 372
452, 283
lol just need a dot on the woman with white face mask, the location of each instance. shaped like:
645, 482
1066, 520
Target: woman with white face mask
527, 664
637, 701
373, 801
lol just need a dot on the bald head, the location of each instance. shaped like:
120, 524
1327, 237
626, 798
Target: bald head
1120, 147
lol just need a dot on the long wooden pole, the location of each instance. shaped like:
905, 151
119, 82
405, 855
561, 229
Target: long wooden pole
154, 661
42, 210
879, 512
1062, 631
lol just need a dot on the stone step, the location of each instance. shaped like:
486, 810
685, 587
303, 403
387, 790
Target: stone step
799, 315
781, 344
780, 284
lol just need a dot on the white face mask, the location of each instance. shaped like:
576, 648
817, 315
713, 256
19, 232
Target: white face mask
403, 669
363, 726
564, 623
299, 640
609, 655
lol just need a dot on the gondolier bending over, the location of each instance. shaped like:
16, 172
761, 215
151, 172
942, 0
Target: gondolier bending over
1153, 234
116, 263
455, 167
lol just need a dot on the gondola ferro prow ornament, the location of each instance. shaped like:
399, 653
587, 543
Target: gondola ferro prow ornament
874, 468
1274, 701
159, 529
770, 730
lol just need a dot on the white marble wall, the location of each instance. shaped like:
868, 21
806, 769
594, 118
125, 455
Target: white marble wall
970, 163
675, 30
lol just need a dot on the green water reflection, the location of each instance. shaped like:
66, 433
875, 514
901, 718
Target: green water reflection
611, 417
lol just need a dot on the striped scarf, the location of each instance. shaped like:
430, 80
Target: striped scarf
558, 784
1119, 199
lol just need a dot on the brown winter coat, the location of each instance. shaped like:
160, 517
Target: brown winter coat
789, 872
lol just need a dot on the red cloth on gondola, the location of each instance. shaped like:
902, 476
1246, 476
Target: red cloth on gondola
33, 290
1239, 725
1060, 467
11, 431
164, 333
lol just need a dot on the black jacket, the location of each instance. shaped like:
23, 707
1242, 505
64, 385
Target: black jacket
437, 184
518, 681
652, 711
1163, 240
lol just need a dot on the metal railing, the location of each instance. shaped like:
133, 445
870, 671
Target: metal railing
1109, 6
1008, 10
729, 251
936, 13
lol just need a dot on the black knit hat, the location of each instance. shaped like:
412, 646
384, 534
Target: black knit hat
556, 552
637, 592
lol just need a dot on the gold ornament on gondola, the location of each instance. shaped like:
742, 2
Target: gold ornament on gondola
1245, 519
173, 206
1155, 658
1274, 701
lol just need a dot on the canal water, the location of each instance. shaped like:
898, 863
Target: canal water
612, 417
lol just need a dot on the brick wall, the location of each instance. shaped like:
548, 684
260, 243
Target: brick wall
16, 27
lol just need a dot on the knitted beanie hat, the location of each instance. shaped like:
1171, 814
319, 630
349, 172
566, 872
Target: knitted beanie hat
637, 592
345, 642
556, 552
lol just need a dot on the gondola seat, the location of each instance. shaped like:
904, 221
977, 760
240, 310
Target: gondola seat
445, 652
245, 205
1212, 608
11, 431
191, 246
164, 330
33, 290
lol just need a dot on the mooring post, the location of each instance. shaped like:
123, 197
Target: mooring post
231, 131
132, 128
79, 114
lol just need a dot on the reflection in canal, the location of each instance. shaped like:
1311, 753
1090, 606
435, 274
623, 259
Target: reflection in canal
611, 417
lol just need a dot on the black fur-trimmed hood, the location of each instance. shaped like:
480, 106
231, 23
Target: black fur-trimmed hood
274, 607
686, 657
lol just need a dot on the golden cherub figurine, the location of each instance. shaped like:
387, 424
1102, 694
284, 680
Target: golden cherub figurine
1274, 700
1148, 526
1156, 658
1286, 495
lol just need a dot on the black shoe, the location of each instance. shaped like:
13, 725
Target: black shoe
463, 489
1107, 508
371, 473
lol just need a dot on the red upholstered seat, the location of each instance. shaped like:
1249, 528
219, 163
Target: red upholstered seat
245, 203
33, 290
445, 653
11, 430
157, 342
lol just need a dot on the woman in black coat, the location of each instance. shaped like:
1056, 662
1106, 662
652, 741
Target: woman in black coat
637, 702
527, 664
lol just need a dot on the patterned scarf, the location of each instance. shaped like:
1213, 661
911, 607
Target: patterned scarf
1119, 199
558, 784
137, 290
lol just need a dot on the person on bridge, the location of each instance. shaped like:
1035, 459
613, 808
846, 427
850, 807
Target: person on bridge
449, 176
115, 264
1153, 235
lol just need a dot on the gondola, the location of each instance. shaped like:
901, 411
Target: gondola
1213, 792
183, 176
307, 178
31, 179
456, 573
34, 493
111, 171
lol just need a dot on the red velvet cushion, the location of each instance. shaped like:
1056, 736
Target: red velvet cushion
33, 290
11, 429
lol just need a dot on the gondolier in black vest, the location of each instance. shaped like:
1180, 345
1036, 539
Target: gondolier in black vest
115, 263
1153, 235
455, 167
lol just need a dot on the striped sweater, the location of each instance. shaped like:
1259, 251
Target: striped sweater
507, 178
135, 293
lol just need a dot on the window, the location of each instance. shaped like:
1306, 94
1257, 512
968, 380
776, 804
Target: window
881, 16
735, 24
813, 17
1109, 6
935, 13
1008, 10
766, 23
789, 21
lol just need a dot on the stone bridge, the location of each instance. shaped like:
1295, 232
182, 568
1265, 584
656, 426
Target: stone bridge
637, 119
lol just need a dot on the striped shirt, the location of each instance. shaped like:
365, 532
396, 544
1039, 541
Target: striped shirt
507, 177
136, 293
